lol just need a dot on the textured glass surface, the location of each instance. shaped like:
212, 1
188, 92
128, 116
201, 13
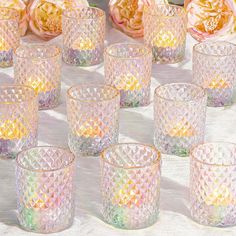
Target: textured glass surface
214, 69
83, 36
130, 185
179, 113
165, 28
9, 35
128, 67
45, 189
39, 66
18, 119
213, 184
93, 116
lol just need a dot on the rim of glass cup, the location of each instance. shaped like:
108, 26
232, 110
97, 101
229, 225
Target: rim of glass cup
147, 11
175, 100
34, 94
35, 46
101, 15
156, 161
193, 156
117, 92
147, 52
214, 42
16, 15
51, 170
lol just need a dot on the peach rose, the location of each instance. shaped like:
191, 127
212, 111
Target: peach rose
21, 6
211, 19
45, 16
126, 15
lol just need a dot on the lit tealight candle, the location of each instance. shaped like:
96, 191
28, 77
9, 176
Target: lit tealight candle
218, 83
165, 39
4, 46
12, 129
127, 83
181, 129
83, 44
40, 85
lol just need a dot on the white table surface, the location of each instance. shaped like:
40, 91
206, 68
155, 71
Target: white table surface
136, 125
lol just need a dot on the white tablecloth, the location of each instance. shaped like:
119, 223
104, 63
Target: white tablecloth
136, 125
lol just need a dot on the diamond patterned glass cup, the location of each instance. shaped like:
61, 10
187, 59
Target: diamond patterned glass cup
214, 69
180, 113
39, 66
165, 28
93, 116
45, 189
83, 36
128, 67
9, 35
213, 184
130, 185
18, 119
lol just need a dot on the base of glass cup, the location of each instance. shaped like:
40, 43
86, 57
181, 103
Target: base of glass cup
6, 58
33, 220
126, 218
135, 98
83, 57
168, 55
49, 99
86, 146
219, 97
178, 146
10, 148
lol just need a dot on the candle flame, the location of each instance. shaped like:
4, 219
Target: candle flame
182, 129
165, 39
40, 85
218, 83
4, 46
83, 44
127, 83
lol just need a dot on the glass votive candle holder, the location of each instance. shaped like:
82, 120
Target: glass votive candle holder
214, 69
128, 67
18, 119
93, 116
179, 114
83, 36
9, 35
45, 189
39, 66
130, 185
213, 184
165, 28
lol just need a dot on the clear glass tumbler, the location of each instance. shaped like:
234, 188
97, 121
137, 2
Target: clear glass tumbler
130, 185
93, 116
39, 66
18, 119
213, 184
9, 35
180, 113
45, 189
128, 67
214, 69
165, 28
83, 36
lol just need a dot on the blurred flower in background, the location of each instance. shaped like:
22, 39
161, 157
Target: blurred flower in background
45, 16
211, 19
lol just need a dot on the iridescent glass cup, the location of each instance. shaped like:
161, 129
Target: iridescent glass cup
130, 185
45, 189
128, 67
93, 116
213, 184
39, 66
179, 113
18, 119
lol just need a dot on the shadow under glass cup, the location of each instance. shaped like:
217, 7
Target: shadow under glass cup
213, 184
18, 119
130, 185
45, 189
179, 117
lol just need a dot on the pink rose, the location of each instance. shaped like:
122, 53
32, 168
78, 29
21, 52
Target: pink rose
126, 15
211, 19
45, 16
21, 6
